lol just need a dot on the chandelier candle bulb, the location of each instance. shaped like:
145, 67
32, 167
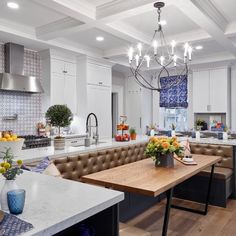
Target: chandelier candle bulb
140, 49
130, 54
148, 60
190, 53
175, 60
137, 59
173, 44
186, 46
155, 45
162, 60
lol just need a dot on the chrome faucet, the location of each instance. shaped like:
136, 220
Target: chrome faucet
88, 127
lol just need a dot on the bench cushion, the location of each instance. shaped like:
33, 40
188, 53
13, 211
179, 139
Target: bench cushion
219, 173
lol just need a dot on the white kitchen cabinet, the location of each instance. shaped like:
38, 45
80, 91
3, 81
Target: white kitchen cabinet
59, 81
99, 102
201, 93
99, 75
138, 106
211, 91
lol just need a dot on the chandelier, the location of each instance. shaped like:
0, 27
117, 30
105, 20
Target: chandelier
164, 55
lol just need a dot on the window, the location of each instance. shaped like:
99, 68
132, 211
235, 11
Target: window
176, 116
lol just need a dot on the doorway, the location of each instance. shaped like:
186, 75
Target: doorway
114, 111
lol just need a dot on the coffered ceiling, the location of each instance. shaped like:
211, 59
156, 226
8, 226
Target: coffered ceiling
74, 25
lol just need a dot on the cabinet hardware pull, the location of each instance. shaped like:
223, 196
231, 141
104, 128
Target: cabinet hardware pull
100, 83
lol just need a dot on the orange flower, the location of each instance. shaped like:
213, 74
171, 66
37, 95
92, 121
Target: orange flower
165, 145
176, 144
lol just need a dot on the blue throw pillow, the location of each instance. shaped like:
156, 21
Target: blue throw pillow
41, 166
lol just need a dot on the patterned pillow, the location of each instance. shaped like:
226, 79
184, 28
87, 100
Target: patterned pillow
41, 166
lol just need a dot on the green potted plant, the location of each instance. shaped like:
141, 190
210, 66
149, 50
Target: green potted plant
59, 116
132, 133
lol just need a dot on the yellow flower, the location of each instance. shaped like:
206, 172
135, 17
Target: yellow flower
2, 170
6, 165
176, 144
2, 164
19, 162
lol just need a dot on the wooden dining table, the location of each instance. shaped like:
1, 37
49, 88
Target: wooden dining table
142, 177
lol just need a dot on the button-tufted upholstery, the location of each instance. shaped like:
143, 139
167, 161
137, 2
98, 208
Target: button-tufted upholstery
73, 167
226, 152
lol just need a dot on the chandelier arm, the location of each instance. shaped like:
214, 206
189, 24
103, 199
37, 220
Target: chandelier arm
145, 80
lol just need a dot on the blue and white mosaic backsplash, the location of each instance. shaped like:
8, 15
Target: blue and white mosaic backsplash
27, 106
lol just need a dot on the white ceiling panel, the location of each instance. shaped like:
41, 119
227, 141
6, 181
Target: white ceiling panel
227, 8
89, 38
29, 13
177, 22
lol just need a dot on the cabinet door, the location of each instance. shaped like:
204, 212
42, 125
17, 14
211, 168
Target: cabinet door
99, 75
99, 102
57, 66
70, 94
70, 68
134, 105
218, 90
57, 89
201, 96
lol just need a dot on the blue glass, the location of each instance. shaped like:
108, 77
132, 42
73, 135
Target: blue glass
168, 133
16, 201
220, 135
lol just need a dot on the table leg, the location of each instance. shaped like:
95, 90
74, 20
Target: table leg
169, 194
204, 212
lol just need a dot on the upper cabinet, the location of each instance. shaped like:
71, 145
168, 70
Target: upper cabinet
211, 91
59, 81
99, 75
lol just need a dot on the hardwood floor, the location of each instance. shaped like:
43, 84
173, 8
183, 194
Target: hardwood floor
218, 221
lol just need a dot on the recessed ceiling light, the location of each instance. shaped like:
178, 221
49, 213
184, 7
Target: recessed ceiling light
99, 38
13, 5
199, 47
162, 22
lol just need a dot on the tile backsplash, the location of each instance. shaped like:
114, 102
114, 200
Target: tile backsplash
26, 106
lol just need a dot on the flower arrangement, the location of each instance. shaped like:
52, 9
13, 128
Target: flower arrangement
158, 146
7, 167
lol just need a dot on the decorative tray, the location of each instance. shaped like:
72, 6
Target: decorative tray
185, 162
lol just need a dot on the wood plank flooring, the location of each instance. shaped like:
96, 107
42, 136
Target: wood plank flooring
218, 221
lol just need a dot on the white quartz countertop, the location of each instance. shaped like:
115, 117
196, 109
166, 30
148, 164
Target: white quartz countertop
230, 142
36, 154
54, 204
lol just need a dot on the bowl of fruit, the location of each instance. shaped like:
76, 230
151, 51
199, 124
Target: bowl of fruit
9, 140
122, 138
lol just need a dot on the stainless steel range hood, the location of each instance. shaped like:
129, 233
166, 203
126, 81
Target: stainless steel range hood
14, 79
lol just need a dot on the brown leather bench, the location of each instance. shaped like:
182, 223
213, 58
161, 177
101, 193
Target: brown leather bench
223, 182
73, 167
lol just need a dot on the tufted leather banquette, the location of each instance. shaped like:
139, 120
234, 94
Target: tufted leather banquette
73, 167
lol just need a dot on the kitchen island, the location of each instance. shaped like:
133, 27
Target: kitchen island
37, 154
55, 204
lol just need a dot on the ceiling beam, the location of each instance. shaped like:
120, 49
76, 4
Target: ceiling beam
57, 28
199, 12
80, 10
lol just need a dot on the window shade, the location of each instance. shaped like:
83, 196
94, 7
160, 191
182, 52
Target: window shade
176, 96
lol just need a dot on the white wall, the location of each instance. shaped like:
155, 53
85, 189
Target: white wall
233, 98
118, 86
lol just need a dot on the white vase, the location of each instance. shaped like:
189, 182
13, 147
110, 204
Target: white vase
172, 133
198, 135
8, 185
225, 136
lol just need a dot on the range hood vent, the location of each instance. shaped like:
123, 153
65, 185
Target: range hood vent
14, 79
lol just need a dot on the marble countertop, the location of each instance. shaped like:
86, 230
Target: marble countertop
37, 154
54, 204
230, 142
